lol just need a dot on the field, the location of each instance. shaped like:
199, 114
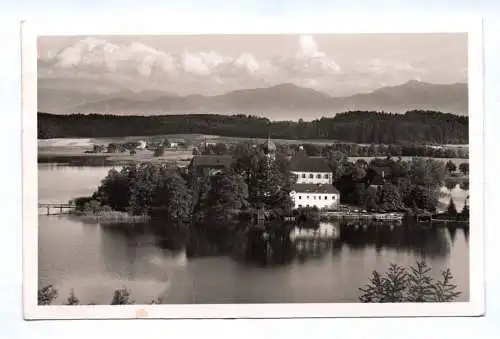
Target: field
52, 149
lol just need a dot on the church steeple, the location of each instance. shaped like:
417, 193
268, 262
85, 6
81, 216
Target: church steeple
269, 148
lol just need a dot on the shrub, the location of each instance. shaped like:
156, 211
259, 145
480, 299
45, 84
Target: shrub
46, 295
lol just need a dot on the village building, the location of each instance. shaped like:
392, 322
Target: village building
322, 196
314, 182
377, 176
141, 144
207, 165
310, 170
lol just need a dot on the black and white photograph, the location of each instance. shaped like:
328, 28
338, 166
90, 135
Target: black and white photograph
247, 170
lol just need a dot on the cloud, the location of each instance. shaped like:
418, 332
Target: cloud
308, 46
309, 56
130, 64
248, 61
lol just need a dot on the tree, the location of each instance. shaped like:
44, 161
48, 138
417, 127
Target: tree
46, 295
269, 182
452, 210
112, 148
72, 299
390, 198
465, 213
339, 163
171, 196
115, 188
464, 168
450, 166
121, 297
98, 148
371, 199
409, 284
220, 148
159, 151
427, 172
423, 198
312, 149
227, 193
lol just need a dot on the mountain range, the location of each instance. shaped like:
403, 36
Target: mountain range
285, 101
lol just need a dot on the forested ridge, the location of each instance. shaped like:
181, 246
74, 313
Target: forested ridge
353, 126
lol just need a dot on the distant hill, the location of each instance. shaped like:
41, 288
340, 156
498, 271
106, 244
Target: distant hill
281, 102
356, 126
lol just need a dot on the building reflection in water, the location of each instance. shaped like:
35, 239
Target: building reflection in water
429, 242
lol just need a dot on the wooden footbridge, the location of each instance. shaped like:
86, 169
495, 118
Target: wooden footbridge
55, 209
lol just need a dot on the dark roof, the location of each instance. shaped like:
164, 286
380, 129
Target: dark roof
377, 180
303, 163
315, 188
212, 161
386, 170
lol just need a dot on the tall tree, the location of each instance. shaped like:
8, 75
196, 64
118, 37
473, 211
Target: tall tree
464, 168
452, 209
450, 166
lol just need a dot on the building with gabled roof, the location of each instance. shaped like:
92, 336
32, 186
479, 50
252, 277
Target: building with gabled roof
310, 170
204, 165
322, 196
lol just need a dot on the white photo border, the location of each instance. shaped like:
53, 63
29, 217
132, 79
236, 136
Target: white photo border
182, 25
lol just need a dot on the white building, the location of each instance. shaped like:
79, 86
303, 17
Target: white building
142, 144
311, 170
314, 185
322, 196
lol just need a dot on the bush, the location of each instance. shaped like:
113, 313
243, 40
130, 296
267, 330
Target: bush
121, 297
409, 284
159, 151
46, 295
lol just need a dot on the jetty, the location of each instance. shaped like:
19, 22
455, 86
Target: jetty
55, 208
364, 216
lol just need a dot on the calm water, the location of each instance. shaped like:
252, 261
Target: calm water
95, 260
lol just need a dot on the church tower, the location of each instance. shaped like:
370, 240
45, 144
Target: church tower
269, 148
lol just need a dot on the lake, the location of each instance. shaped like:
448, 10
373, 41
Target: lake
94, 260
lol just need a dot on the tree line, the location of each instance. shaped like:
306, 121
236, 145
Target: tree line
355, 126
351, 150
205, 211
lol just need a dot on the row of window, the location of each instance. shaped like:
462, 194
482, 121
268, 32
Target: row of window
319, 198
318, 176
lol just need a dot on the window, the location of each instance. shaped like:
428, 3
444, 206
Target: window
308, 198
311, 176
318, 176
303, 175
300, 197
300, 206
326, 197
327, 176
314, 197
333, 197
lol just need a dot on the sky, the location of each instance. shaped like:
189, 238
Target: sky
340, 64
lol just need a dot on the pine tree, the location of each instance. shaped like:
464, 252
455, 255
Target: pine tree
121, 297
72, 299
452, 210
409, 284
